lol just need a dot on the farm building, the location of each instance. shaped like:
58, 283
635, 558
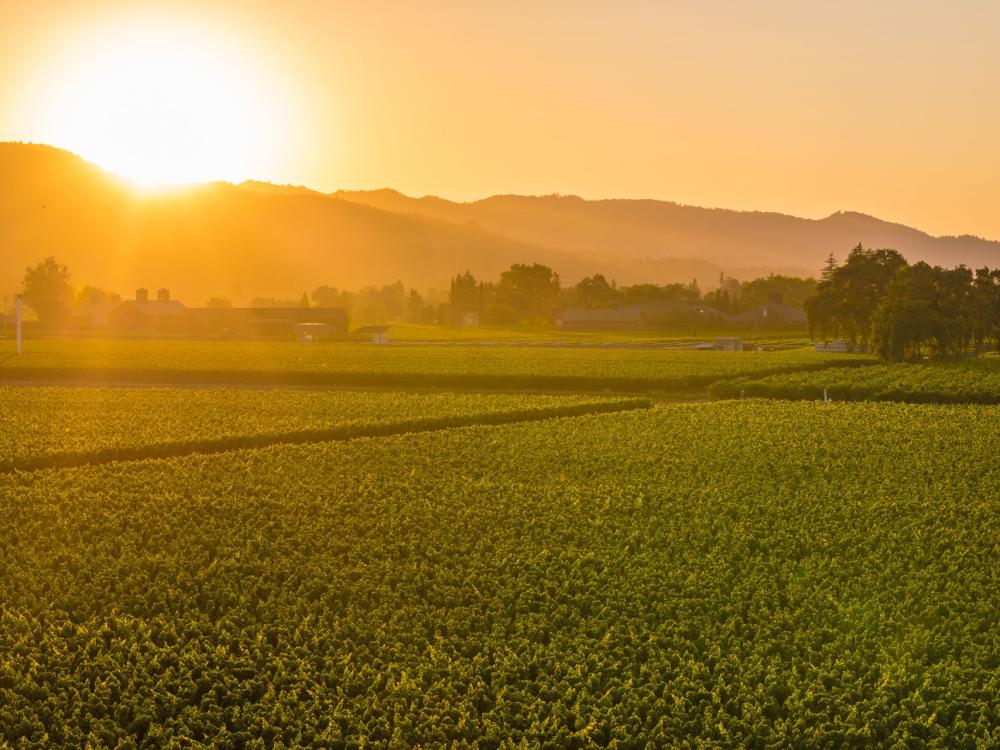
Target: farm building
679, 313
575, 319
140, 315
265, 322
378, 334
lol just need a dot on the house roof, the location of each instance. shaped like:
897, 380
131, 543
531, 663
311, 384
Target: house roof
154, 308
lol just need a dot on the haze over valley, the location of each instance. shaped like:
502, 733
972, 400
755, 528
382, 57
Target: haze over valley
255, 238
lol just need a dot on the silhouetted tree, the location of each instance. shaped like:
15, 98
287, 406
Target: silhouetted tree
393, 298
47, 290
465, 296
642, 293
328, 296
845, 302
925, 310
416, 308
528, 292
829, 267
791, 290
986, 307
92, 295
594, 292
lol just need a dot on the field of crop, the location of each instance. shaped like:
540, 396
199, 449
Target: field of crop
537, 335
758, 574
468, 366
46, 426
975, 381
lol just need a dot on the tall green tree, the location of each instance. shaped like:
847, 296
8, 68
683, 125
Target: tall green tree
845, 302
48, 291
926, 310
986, 307
638, 294
464, 296
829, 267
791, 290
530, 292
594, 292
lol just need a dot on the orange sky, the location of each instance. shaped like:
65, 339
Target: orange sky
890, 108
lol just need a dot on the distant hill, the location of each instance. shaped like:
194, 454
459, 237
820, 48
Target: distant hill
258, 239
734, 240
220, 239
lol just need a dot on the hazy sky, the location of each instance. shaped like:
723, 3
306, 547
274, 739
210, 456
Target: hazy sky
891, 108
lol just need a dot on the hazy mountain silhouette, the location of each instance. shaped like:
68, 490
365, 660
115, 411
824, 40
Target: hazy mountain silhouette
220, 239
735, 240
261, 239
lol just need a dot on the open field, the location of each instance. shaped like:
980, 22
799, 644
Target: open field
748, 573
975, 381
47, 426
452, 366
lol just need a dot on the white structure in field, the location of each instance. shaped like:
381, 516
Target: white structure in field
379, 334
839, 346
728, 344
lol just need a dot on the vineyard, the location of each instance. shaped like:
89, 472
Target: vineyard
975, 381
448, 366
746, 574
532, 335
50, 426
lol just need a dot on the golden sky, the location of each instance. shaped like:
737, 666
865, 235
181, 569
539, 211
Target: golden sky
798, 106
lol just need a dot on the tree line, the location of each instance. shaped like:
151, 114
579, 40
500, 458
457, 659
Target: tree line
879, 301
529, 293
533, 293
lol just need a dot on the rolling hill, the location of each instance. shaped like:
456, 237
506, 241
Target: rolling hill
742, 242
220, 239
241, 241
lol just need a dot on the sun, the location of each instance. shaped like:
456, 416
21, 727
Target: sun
163, 102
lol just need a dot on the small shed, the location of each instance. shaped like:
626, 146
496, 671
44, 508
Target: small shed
379, 334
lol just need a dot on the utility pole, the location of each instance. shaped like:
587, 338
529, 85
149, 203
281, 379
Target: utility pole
17, 323
3, 317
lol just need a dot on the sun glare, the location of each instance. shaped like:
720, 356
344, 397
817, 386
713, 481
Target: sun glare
163, 104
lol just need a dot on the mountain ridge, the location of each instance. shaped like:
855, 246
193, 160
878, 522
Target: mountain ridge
261, 239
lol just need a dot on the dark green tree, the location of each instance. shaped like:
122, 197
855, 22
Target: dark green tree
829, 267
986, 307
531, 293
416, 308
465, 296
845, 302
790, 290
594, 292
926, 310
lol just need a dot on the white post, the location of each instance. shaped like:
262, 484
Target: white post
17, 320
